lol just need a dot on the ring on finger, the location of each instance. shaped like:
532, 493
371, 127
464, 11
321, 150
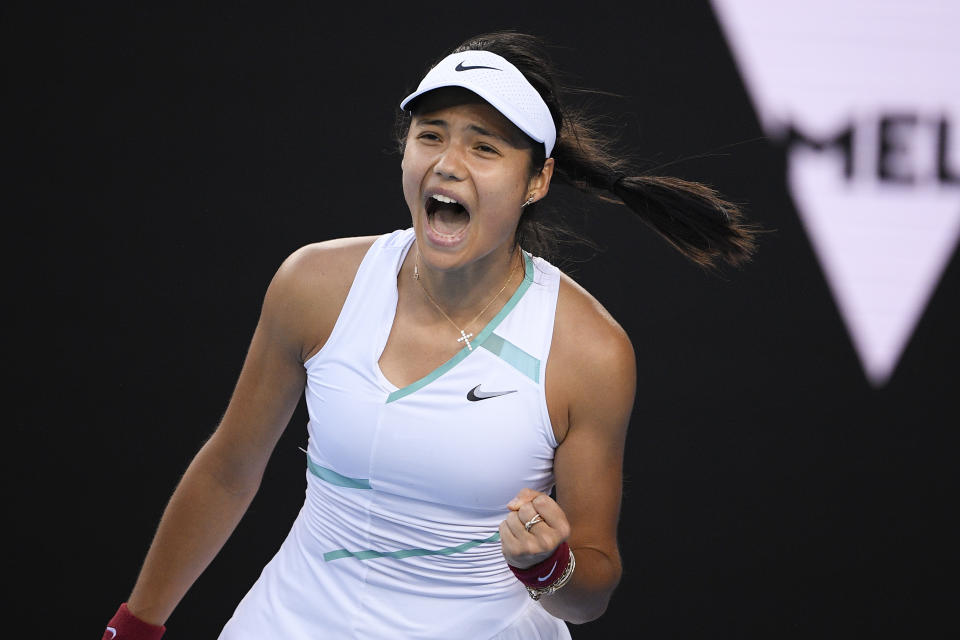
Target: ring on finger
532, 521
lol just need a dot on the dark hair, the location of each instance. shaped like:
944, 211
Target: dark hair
691, 216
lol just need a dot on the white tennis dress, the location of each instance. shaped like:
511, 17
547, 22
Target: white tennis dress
406, 488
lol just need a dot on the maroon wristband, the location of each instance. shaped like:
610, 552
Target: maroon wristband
126, 626
547, 572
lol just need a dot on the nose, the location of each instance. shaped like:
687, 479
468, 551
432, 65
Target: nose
450, 163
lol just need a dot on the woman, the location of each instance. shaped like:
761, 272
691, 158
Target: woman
468, 402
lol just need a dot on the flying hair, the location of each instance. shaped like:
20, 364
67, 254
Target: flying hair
693, 217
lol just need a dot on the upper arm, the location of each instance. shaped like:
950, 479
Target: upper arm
298, 312
595, 380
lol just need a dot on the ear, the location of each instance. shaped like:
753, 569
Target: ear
539, 184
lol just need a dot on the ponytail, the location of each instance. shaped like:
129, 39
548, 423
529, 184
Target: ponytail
692, 217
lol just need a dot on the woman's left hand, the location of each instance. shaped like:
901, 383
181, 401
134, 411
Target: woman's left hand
524, 547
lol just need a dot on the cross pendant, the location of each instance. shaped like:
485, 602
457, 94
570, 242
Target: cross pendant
465, 337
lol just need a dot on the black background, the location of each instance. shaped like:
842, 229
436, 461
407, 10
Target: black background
164, 160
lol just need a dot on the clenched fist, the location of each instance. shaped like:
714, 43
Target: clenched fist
527, 539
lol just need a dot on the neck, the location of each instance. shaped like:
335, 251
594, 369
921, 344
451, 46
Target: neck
479, 289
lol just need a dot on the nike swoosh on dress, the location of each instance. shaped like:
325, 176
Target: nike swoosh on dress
475, 395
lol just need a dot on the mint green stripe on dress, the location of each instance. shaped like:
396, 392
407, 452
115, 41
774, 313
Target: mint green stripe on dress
476, 342
331, 476
407, 553
433, 375
514, 356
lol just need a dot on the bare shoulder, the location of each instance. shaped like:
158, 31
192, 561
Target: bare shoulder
590, 393
325, 263
591, 374
584, 330
310, 287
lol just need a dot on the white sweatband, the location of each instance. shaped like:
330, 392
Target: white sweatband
498, 82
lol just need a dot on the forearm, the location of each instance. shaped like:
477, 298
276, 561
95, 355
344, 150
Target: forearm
202, 513
586, 596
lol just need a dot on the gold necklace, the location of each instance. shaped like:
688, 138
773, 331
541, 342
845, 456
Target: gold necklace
464, 335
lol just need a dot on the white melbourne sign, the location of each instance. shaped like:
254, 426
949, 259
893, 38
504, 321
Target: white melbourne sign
866, 96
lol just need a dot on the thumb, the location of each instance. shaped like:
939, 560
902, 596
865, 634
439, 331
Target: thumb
523, 496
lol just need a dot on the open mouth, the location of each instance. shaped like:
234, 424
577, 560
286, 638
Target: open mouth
445, 216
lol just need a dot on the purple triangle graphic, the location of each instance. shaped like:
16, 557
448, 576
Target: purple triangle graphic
866, 98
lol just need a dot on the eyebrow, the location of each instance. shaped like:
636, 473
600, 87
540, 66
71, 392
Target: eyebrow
440, 122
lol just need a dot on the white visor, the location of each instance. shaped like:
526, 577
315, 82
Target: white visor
498, 82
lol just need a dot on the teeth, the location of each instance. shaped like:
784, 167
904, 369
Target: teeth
444, 199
